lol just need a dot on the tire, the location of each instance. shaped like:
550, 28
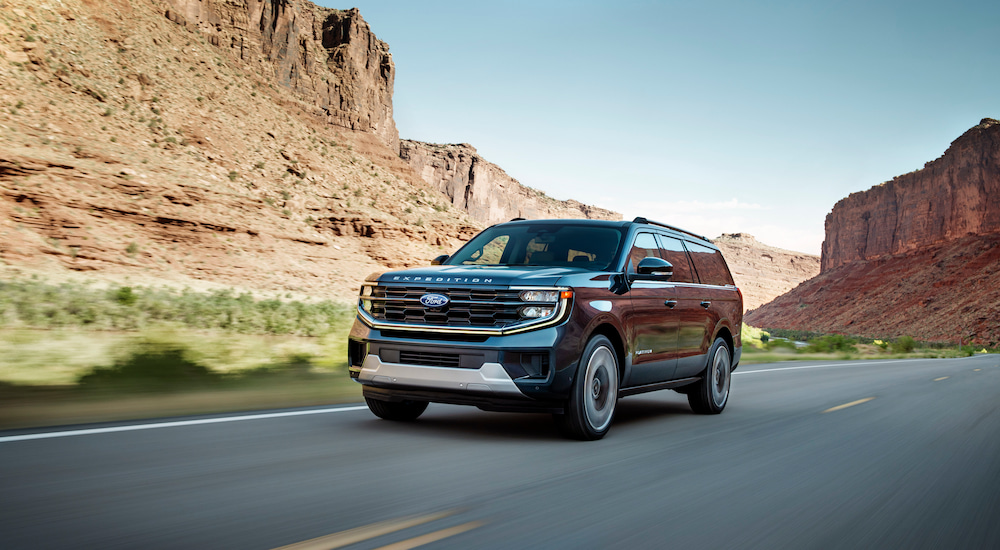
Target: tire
592, 400
711, 393
403, 411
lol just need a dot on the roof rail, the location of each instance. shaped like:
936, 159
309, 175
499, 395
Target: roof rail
517, 219
651, 222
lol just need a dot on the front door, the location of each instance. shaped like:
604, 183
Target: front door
654, 339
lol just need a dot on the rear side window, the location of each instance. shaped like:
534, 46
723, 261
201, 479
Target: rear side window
645, 246
673, 251
711, 268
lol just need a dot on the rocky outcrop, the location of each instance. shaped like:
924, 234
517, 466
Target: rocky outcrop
763, 272
918, 255
330, 58
951, 197
483, 189
941, 293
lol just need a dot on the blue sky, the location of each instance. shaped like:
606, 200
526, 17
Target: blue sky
717, 116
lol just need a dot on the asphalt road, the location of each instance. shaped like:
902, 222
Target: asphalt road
913, 462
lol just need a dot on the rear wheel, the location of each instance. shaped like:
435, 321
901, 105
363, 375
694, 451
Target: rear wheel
711, 393
396, 410
591, 406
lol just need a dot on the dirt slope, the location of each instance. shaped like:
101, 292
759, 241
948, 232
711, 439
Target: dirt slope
937, 294
763, 272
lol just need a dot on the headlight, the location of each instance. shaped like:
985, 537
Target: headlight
540, 296
534, 312
366, 305
366, 290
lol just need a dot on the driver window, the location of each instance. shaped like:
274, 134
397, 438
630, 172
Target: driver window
644, 246
489, 254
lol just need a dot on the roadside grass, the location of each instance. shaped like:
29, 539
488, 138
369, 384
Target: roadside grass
75, 353
767, 346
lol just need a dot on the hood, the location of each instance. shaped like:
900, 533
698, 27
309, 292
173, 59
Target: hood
472, 275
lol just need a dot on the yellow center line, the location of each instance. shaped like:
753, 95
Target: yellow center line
845, 405
432, 537
976, 370
940, 379
358, 534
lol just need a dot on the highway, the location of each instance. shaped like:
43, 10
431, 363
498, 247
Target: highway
877, 454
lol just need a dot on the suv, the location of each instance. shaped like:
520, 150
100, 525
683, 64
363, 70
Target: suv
559, 316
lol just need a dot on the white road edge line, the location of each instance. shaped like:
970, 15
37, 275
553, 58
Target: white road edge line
156, 425
838, 365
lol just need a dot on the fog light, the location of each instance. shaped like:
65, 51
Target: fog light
534, 312
539, 295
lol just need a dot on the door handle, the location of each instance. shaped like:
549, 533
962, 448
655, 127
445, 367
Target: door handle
670, 303
705, 304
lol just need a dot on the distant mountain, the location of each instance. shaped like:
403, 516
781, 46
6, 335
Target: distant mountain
764, 272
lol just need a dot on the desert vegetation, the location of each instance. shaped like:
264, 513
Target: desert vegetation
767, 345
128, 351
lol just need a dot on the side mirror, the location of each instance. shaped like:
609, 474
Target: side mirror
440, 259
654, 269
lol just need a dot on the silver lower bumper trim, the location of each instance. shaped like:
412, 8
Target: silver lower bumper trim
490, 378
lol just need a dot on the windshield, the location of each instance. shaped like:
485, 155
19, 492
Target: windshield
568, 245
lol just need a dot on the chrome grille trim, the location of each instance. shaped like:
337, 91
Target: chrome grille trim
460, 321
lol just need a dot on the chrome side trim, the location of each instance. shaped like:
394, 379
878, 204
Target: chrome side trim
490, 378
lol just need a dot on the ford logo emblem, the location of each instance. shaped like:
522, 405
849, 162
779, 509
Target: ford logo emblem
434, 300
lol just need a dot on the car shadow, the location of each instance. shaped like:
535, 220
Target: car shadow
453, 421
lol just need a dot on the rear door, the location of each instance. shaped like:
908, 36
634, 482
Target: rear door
654, 334
711, 299
688, 312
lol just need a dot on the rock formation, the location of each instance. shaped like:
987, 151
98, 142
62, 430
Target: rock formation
918, 256
330, 58
764, 272
953, 196
940, 294
483, 189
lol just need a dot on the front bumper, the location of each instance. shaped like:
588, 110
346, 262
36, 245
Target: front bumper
526, 370
489, 379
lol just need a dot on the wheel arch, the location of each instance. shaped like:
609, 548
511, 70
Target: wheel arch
727, 336
611, 333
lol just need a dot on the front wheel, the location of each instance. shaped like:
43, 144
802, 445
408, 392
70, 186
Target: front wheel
591, 405
396, 410
710, 394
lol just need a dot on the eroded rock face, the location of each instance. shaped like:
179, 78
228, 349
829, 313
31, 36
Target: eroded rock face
940, 293
951, 197
329, 57
917, 256
763, 272
483, 189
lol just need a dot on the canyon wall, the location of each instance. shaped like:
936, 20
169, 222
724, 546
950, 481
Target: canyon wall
763, 272
918, 255
329, 58
483, 189
951, 197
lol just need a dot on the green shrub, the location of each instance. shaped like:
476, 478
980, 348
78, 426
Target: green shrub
904, 344
832, 343
152, 365
37, 304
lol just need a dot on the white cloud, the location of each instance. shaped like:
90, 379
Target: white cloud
711, 219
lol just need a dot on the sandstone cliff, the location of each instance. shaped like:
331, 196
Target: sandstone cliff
483, 189
133, 146
763, 272
938, 293
919, 255
953, 196
330, 58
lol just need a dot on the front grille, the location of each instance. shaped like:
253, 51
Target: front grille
430, 359
468, 307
